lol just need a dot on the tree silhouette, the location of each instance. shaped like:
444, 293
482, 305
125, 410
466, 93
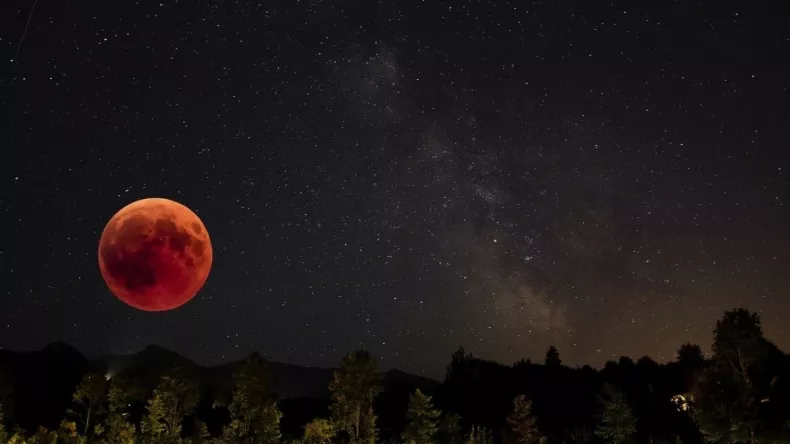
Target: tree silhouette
121, 394
124, 391
739, 394
423, 420
690, 363
738, 340
253, 409
354, 386
522, 425
454, 370
617, 423
270, 424
173, 399
90, 396
727, 400
690, 356
153, 424
369, 431
450, 429
553, 357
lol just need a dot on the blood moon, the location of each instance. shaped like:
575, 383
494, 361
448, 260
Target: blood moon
155, 254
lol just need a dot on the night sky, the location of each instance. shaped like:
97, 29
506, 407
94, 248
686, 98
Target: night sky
404, 176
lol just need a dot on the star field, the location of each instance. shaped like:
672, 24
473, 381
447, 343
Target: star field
404, 176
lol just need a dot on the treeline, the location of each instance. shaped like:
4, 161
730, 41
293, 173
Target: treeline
739, 394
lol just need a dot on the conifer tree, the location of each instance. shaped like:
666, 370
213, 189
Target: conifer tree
523, 426
423, 420
153, 423
617, 423
200, 434
270, 424
450, 429
553, 357
369, 431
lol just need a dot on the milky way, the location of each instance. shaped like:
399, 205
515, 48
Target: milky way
405, 176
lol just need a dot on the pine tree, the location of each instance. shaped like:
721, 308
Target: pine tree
553, 357
523, 426
369, 431
450, 429
354, 386
423, 420
270, 424
617, 423
454, 370
319, 431
153, 423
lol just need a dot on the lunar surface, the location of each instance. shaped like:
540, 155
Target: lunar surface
155, 254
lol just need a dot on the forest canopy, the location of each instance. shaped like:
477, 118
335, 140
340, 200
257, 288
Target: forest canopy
738, 394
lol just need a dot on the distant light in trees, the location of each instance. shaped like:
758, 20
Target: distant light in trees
683, 402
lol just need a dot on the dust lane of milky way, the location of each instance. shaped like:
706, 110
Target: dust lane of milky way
155, 254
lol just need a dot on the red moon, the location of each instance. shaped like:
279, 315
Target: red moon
155, 254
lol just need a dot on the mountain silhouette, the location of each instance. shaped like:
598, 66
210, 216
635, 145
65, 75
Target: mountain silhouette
39, 384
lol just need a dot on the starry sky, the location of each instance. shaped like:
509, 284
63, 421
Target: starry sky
405, 176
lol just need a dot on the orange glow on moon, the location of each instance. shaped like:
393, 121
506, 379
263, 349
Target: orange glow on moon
155, 254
